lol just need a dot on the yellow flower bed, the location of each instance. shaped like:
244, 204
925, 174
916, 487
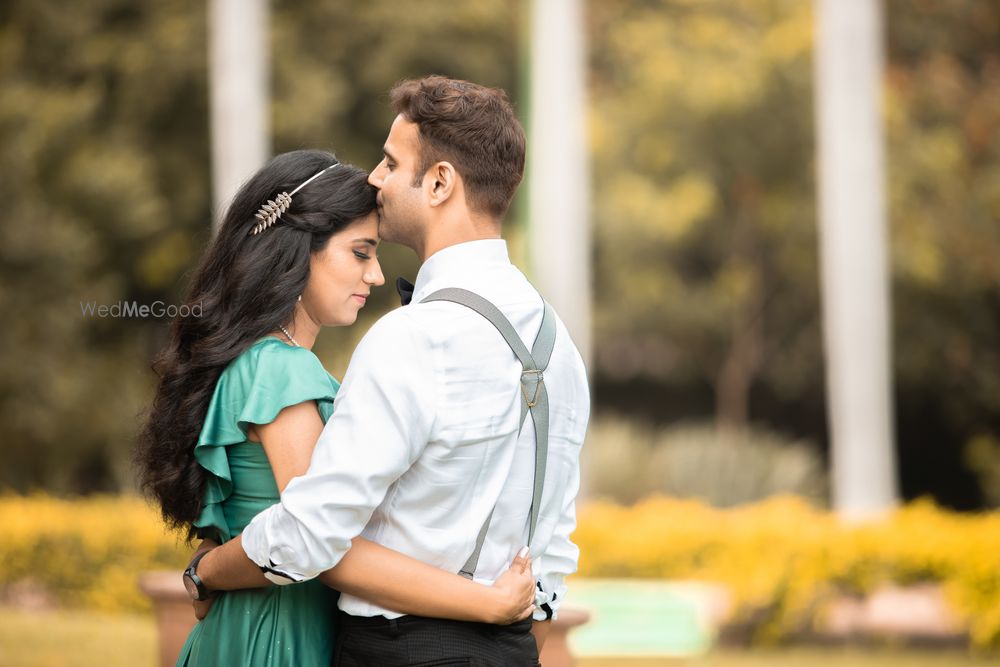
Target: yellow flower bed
782, 558
86, 552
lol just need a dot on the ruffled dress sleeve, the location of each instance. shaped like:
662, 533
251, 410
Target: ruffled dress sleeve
253, 389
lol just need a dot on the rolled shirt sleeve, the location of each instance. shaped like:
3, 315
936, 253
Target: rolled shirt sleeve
560, 557
381, 423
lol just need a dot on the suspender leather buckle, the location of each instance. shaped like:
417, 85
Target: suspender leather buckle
539, 381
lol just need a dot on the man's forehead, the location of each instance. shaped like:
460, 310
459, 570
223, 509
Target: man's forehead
402, 134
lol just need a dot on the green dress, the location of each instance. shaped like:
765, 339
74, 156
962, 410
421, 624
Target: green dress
279, 625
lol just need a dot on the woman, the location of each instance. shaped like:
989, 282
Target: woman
242, 399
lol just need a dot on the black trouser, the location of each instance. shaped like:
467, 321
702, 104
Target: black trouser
415, 641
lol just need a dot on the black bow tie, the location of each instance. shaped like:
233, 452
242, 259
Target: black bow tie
405, 289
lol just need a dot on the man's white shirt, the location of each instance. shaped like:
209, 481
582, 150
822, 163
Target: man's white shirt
424, 442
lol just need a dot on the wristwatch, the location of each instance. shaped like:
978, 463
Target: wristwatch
193, 583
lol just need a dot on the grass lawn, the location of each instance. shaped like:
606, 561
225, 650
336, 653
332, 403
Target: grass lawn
75, 639
86, 639
807, 657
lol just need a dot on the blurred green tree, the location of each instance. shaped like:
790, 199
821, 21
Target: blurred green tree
705, 241
104, 148
103, 123
943, 115
706, 245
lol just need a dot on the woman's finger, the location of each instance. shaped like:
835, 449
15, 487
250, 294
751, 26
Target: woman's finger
521, 561
201, 608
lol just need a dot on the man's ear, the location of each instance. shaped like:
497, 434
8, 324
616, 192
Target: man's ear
440, 182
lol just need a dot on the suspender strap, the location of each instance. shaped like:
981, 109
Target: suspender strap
534, 396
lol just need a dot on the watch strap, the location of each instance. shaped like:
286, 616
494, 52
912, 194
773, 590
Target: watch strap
192, 573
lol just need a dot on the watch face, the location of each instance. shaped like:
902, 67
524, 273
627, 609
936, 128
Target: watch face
189, 584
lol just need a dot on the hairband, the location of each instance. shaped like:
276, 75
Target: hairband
270, 212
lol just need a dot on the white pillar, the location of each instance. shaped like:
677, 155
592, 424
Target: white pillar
855, 285
558, 189
239, 93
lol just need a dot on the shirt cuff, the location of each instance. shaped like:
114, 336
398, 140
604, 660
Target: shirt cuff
256, 547
547, 602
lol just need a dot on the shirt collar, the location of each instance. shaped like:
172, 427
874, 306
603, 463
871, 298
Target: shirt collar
455, 263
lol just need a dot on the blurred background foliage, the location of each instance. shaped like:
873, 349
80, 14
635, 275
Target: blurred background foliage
706, 283
784, 563
787, 563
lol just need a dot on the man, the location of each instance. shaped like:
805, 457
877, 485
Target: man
431, 449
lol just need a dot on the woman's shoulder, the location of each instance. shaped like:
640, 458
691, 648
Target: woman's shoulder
253, 389
271, 375
271, 355
272, 347
266, 378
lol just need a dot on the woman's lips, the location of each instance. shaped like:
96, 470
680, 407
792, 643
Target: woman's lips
361, 298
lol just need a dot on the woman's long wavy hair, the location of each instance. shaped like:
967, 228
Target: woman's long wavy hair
247, 285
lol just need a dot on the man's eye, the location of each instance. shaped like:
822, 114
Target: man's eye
361, 255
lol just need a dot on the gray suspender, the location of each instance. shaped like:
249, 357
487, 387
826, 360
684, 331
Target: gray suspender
534, 397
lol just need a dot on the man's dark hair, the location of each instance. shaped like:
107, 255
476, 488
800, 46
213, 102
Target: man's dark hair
471, 126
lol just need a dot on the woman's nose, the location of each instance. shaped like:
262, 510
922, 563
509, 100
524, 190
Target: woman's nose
375, 277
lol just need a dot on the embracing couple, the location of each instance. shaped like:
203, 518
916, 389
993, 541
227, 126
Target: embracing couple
419, 513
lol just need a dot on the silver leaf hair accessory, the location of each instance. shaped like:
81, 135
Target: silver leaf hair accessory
271, 212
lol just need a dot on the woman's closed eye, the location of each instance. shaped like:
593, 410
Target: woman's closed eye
362, 255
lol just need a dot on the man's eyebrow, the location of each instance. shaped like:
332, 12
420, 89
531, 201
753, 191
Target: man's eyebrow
388, 153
